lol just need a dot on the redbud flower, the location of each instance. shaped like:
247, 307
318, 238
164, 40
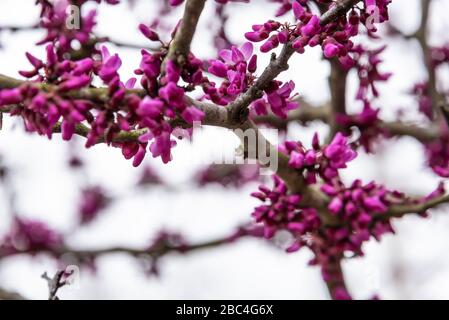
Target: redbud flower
331, 50
93, 201
147, 32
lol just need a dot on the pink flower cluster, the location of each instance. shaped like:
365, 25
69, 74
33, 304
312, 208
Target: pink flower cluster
367, 122
361, 205
367, 65
277, 98
421, 93
165, 99
437, 153
55, 18
149, 177
283, 212
30, 236
119, 108
236, 66
324, 162
361, 209
41, 110
93, 201
440, 55
334, 38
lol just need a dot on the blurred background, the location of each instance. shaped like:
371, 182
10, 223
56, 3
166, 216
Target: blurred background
411, 265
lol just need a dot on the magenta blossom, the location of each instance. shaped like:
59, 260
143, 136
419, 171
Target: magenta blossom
320, 161
93, 201
30, 236
236, 66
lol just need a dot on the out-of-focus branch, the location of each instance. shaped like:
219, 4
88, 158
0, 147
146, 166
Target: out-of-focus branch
304, 114
123, 44
422, 37
9, 295
158, 251
95, 39
17, 28
337, 86
399, 129
445, 111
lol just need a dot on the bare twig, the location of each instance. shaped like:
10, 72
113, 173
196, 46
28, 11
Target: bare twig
17, 28
54, 284
123, 44
154, 252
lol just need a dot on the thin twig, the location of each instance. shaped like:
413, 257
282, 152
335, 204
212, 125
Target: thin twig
155, 252
54, 284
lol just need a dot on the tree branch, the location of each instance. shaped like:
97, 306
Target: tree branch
422, 37
336, 281
122, 136
337, 85
219, 116
424, 135
340, 8
307, 112
238, 108
156, 252
304, 114
180, 47
401, 210
9, 295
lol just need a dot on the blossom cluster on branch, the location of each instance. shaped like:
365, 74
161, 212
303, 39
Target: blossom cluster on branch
82, 92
